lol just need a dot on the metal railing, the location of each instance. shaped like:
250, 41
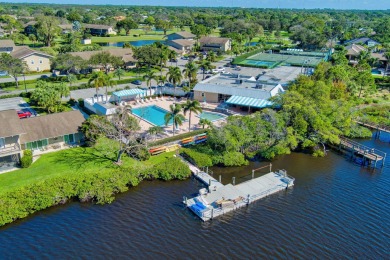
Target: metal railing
10, 148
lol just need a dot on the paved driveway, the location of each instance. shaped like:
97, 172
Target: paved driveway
16, 103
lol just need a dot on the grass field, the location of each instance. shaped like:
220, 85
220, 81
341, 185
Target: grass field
68, 162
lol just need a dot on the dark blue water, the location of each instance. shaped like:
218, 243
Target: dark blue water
134, 43
336, 210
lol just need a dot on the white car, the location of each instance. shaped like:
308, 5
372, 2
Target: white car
218, 70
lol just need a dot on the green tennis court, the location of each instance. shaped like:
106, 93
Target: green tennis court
287, 58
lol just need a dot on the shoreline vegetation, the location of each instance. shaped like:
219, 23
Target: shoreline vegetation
314, 110
85, 174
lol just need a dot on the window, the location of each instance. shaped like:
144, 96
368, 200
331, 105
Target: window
37, 144
40, 61
69, 139
32, 62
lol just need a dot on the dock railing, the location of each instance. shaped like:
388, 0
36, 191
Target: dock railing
362, 149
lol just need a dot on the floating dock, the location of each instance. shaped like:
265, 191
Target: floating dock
219, 199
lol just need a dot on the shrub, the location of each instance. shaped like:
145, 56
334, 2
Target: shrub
143, 154
81, 102
234, 159
171, 169
27, 159
199, 159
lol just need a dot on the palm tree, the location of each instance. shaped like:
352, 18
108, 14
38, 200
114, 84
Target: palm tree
98, 80
155, 130
119, 73
205, 66
172, 55
211, 56
190, 71
163, 59
108, 82
161, 80
149, 76
71, 78
203, 122
191, 106
387, 56
174, 76
175, 116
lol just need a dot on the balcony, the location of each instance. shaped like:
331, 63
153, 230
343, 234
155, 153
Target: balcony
10, 149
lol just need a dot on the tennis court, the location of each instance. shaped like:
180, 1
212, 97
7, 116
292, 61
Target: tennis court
287, 58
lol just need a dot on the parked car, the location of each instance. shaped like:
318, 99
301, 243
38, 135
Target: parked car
137, 82
24, 114
173, 60
184, 58
44, 77
218, 70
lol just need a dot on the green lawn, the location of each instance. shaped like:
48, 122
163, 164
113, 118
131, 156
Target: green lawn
68, 162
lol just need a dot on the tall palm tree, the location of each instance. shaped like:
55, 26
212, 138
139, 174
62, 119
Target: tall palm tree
387, 56
205, 66
119, 73
172, 55
174, 115
211, 56
191, 106
97, 79
149, 76
190, 71
71, 78
161, 80
108, 82
163, 57
174, 76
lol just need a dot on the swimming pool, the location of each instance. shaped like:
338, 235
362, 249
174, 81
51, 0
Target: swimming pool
211, 116
152, 114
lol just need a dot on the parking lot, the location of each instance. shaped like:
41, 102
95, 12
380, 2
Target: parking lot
17, 104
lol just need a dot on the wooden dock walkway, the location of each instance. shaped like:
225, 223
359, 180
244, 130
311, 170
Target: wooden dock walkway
369, 155
379, 128
220, 199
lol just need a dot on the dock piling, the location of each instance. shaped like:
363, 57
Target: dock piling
253, 174
234, 180
270, 167
220, 178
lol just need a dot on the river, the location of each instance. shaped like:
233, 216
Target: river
335, 210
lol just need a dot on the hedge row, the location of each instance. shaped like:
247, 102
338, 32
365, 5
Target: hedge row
178, 137
99, 187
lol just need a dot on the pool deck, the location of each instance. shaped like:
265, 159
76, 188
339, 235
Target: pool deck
220, 199
165, 105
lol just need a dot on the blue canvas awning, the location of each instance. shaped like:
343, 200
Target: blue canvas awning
128, 92
248, 102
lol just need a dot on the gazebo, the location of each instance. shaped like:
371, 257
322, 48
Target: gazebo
128, 94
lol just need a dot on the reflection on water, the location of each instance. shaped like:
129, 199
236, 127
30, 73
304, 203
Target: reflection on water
134, 43
335, 210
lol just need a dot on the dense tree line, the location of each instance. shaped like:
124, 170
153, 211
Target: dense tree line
303, 24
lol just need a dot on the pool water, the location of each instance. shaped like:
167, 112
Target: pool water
152, 114
376, 72
211, 116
